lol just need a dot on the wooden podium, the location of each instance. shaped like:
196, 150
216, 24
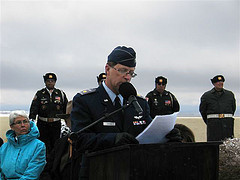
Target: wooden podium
169, 161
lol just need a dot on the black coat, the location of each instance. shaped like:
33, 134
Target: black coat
45, 106
213, 102
91, 105
162, 104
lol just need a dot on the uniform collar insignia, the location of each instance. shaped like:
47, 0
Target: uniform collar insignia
138, 117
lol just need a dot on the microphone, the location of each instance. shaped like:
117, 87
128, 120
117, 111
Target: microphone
128, 92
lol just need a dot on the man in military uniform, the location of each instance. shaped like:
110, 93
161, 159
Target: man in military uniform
46, 103
161, 102
217, 108
101, 78
91, 105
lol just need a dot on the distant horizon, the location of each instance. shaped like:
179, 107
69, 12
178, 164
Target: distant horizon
185, 110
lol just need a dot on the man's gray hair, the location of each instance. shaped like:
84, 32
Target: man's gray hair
14, 114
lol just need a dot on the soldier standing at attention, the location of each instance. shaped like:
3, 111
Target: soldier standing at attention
101, 78
217, 108
161, 102
46, 103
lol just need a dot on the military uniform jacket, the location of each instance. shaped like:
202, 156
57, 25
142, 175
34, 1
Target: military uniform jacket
48, 106
213, 102
93, 105
162, 104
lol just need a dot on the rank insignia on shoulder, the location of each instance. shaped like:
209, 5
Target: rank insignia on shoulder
138, 95
88, 91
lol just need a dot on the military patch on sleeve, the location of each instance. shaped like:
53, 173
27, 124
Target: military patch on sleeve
88, 91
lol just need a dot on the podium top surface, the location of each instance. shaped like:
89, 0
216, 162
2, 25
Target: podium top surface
157, 146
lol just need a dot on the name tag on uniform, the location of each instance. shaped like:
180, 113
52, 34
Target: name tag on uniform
108, 123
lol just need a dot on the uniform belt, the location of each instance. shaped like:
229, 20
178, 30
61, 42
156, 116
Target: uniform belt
49, 119
219, 115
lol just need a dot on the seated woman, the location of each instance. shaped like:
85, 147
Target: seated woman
23, 156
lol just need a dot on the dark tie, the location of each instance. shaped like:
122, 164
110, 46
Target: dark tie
119, 115
117, 103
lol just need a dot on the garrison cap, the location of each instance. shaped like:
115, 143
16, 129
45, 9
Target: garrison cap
101, 77
218, 78
50, 76
123, 55
161, 80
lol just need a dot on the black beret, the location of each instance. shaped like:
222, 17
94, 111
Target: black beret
50, 76
161, 80
218, 78
123, 55
101, 77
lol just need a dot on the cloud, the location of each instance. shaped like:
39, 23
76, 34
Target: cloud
189, 42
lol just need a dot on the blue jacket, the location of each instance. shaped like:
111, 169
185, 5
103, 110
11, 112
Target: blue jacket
91, 105
23, 158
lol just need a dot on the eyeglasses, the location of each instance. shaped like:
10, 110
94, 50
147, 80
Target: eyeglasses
20, 122
125, 72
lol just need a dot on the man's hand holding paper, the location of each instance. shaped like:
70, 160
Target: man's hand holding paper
160, 130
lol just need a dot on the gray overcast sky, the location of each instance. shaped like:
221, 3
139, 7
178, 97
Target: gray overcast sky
188, 42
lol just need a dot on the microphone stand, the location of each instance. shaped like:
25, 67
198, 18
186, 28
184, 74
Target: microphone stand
74, 135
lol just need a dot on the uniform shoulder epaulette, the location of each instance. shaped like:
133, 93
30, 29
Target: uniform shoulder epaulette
43, 91
167, 92
88, 91
140, 96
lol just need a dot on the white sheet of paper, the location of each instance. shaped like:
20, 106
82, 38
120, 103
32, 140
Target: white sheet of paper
156, 131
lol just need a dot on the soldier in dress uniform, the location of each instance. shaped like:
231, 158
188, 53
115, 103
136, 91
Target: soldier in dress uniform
46, 103
217, 108
93, 104
161, 102
101, 78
